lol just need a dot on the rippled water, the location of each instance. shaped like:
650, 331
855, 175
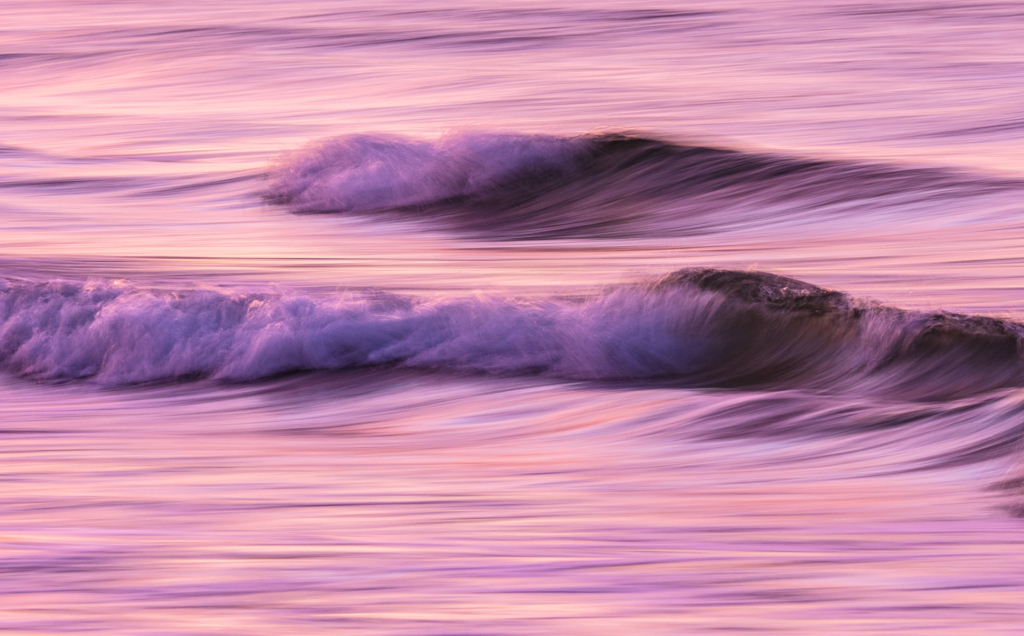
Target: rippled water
431, 319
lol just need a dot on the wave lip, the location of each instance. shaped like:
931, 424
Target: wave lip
537, 186
691, 328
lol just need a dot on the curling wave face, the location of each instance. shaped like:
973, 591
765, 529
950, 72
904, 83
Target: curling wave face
691, 328
537, 186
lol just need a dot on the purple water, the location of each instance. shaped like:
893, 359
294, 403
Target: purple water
388, 318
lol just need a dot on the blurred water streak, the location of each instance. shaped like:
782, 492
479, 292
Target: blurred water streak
153, 154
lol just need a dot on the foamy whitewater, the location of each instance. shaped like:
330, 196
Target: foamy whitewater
388, 318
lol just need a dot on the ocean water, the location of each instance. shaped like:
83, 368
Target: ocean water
454, 318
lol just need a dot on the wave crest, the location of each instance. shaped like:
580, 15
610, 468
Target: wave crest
536, 186
691, 328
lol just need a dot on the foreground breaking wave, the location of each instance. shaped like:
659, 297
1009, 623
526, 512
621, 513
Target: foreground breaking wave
691, 328
537, 186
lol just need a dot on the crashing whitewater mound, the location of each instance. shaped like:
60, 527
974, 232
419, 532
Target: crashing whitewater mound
691, 328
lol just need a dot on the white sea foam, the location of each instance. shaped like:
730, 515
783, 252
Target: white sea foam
360, 173
120, 334
751, 328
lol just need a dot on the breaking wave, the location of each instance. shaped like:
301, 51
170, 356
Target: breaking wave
537, 186
691, 328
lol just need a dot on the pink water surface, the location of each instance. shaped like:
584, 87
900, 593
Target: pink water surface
140, 141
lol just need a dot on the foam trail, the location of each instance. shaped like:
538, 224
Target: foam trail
694, 327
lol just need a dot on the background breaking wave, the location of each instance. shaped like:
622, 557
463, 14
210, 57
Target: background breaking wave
536, 186
691, 328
